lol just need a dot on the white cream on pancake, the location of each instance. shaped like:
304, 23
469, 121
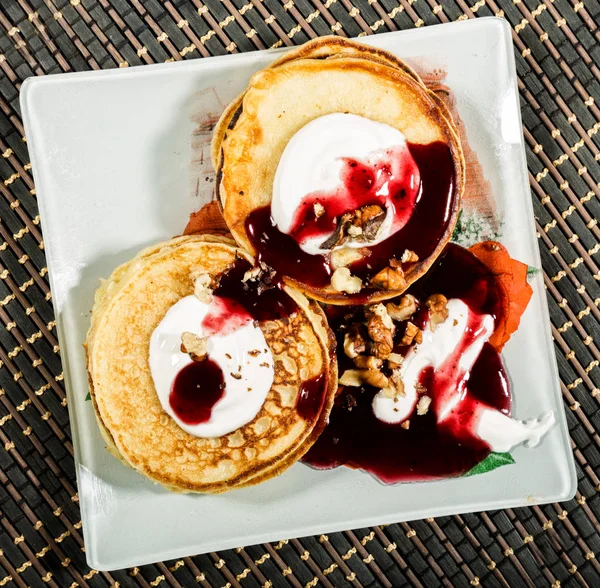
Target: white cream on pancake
234, 352
312, 160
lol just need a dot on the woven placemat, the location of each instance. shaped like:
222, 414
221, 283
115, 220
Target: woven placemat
557, 46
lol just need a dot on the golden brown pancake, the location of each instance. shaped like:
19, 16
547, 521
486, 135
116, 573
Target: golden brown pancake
323, 77
128, 307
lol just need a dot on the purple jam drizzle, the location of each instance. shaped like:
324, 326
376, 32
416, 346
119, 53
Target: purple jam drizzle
426, 217
427, 450
391, 172
195, 391
310, 399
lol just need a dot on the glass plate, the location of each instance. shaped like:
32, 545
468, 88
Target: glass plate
121, 158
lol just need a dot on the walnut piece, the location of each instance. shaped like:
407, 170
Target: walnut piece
203, 288
344, 257
406, 424
252, 274
369, 220
354, 342
368, 362
423, 405
406, 307
411, 334
394, 360
380, 327
194, 346
360, 225
380, 350
359, 377
389, 279
409, 256
343, 281
318, 209
438, 310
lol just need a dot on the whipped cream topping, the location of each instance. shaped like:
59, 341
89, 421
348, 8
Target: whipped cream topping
241, 352
452, 350
312, 163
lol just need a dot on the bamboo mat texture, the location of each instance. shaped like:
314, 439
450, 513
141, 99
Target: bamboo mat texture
557, 47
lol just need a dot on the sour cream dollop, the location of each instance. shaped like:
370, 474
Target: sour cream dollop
312, 166
452, 350
242, 354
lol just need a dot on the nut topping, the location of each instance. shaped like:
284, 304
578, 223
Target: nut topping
438, 310
203, 287
409, 256
345, 256
423, 405
406, 307
389, 279
381, 330
354, 342
368, 362
318, 209
359, 377
343, 281
412, 333
194, 346
360, 225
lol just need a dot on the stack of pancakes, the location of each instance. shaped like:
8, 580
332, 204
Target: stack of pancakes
324, 76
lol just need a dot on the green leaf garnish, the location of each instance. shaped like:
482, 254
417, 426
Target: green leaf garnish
532, 271
88, 397
491, 462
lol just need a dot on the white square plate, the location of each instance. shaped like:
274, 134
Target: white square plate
120, 159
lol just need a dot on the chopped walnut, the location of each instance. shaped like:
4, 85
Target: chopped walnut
368, 362
203, 288
343, 281
359, 377
394, 360
354, 231
423, 405
411, 334
389, 279
344, 257
381, 329
360, 225
369, 219
237, 376
406, 424
252, 274
420, 389
194, 346
354, 342
409, 256
396, 379
381, 350
254, 352
318, 209
406, 307
438, 310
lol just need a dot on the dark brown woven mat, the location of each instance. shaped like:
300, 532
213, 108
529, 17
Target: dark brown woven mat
557, 46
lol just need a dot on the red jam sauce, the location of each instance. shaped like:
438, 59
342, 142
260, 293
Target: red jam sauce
311, 397
426, 450
195, 391
422, 210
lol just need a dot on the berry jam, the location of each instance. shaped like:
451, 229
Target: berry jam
426, 450
310, 399
424, 216
195, 391
390, 176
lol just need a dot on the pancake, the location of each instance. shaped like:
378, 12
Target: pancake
320, 48
338, 76
137, 430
